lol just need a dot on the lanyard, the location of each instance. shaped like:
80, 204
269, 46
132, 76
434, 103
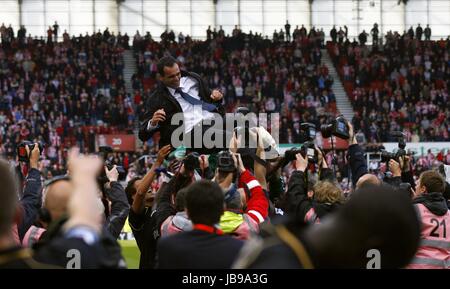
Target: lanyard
209, 229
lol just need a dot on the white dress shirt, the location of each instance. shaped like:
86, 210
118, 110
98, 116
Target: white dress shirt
193, 114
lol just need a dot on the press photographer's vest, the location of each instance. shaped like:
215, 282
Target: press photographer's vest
32, 236
176, 224
311, 217
239, 226
434, 249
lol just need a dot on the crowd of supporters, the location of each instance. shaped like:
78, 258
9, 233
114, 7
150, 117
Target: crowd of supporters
266, 75
401, 85
62, 93
222, 214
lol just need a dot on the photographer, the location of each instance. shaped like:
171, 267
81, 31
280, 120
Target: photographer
434, 215
246, 203
357, 161
116, 196
401, 175
141, 217
325, 197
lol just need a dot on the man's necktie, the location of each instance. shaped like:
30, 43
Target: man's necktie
192, 100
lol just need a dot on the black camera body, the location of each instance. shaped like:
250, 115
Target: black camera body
225, 162
104, 151
338, 127
22, 150
308, 148
191, 161
401, 152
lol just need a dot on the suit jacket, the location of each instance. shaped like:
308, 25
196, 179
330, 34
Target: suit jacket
197, 250
161, 98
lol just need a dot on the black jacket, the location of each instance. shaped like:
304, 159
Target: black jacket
31, 201
358, 163
197, 250
298, 202
146, 225
161, 98
435, 202
119, 209
52, 249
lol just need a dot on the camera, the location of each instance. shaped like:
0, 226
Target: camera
308, 148
338, 127
22, 150
225, 162
401, 152
104, 151
191, 161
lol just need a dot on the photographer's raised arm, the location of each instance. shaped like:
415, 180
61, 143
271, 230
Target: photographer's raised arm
119, 203
31, 200
83, 207
297, 191
357, 161
407, 175
325, 173
139, 200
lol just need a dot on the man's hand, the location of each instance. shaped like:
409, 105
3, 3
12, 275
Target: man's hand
113, 174
321, 158
35, 154
351, 132
404, 163
83, 204
83, 167
158, 116
301, 163
238, 162
394, 167
204, 163
216, 95
162, 154
235, 143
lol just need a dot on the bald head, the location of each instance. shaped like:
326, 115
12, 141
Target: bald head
368, 179
57, 198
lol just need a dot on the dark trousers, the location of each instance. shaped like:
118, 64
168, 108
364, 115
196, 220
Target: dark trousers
207, 139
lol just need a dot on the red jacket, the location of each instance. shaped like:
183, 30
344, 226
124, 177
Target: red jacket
257, 203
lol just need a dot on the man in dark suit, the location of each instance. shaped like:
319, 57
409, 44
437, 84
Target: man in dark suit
179, 93
205, 247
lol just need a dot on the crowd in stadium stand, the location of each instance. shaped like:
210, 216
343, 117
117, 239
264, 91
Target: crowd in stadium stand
64, 93
401, 85
266, 75
77, 91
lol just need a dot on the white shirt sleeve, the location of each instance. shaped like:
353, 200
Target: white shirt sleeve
150, 126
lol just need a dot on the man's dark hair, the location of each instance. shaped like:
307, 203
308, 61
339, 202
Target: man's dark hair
382, 218
204, 202
130, 190
433, 181
166, 61
8, 197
